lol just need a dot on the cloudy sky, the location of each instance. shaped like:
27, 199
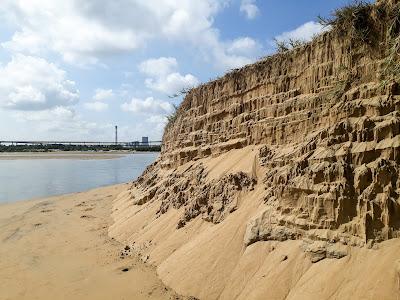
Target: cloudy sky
72, 69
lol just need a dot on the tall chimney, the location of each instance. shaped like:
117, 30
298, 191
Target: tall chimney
116, 135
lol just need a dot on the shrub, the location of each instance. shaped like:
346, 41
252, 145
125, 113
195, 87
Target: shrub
283, 46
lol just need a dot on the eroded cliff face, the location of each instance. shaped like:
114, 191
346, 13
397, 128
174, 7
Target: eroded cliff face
329, 126
317, 130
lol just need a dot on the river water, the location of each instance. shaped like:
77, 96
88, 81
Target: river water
24, 179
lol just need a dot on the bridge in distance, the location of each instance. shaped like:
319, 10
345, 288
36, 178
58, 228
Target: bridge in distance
131, 145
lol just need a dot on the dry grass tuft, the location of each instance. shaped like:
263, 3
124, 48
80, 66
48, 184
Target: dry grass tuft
353, 20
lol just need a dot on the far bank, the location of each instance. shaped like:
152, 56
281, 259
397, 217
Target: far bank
47, 174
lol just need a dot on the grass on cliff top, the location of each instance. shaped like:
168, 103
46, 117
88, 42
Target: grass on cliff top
352, 20
283, 46
364, 23
392, 61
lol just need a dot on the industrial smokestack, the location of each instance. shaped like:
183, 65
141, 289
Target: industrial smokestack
116, 135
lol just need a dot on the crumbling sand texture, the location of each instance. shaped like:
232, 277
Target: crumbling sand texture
278, 181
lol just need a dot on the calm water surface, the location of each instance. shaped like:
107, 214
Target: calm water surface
26, 179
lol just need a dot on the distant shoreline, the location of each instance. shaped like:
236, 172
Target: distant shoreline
86, 155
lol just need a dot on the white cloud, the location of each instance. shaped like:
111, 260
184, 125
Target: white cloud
63, 123
96, 106
102, 95
58, 114
148, 106
304, 32
32, 83
84, 32
77, 128
165, 79
158, 66
157, 119
249, 8
47, 25
25, 39
172, 83
157, 123
245, 46
97, 103
92, 32
236, 53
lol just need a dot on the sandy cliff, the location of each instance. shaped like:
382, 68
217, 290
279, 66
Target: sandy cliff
283, 176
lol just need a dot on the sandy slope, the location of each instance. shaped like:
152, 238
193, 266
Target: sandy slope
58, 248
211, 261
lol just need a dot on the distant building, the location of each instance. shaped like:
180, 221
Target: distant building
145, 141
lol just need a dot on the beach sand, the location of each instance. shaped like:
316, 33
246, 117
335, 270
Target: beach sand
58, 248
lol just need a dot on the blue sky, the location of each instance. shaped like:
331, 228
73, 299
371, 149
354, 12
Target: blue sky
73, 69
